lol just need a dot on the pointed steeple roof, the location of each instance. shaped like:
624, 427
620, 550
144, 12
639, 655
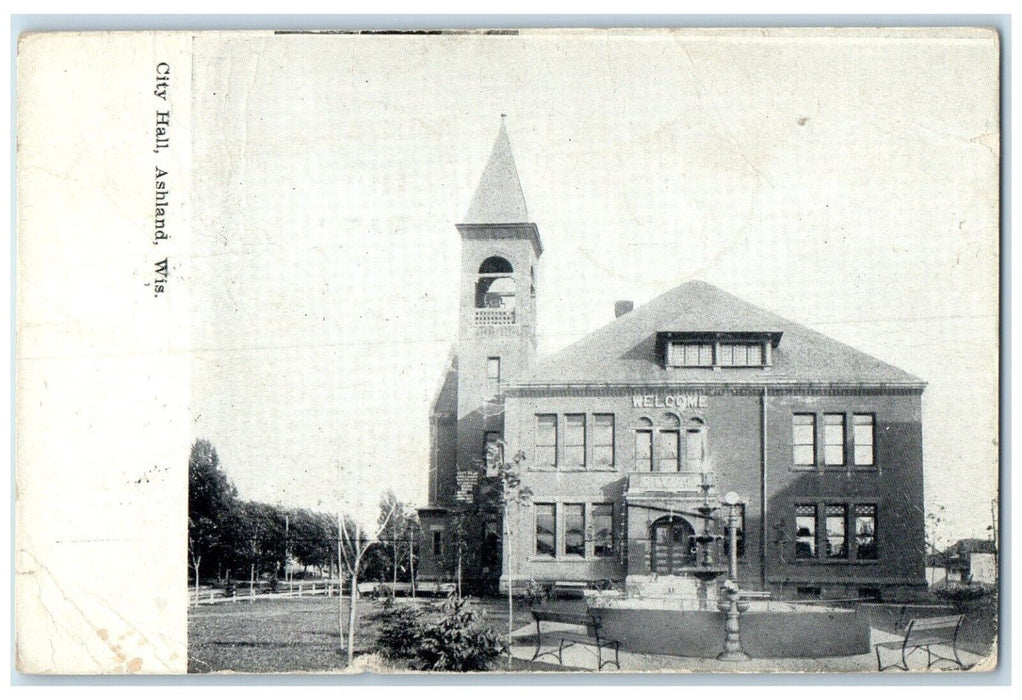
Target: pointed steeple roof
499, 198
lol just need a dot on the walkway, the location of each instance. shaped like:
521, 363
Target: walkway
578, 657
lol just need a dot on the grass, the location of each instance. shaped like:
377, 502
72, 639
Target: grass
269, 636
297, 634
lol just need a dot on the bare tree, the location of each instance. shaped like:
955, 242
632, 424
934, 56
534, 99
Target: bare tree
354, 542
512, 494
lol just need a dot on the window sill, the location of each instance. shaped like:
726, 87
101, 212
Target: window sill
569, 559
834, 469
834, 562
574, 470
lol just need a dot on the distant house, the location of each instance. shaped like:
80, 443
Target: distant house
969, 560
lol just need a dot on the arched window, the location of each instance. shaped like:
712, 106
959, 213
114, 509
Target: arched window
495, 288
695, 444
670, 443
644, 445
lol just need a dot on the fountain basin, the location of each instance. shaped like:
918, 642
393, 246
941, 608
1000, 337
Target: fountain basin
770, 629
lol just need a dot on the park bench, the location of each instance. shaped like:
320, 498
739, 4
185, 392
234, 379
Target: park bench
925, 633
569, 589
565, 639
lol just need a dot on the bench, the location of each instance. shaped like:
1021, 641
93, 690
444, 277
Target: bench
925, 633
592, 638
571, 589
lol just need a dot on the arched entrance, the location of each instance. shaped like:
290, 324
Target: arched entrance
670, 545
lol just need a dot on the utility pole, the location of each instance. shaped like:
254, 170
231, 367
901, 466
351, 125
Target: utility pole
411, 561
287, 549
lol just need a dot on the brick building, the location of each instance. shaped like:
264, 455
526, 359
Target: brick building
630, 436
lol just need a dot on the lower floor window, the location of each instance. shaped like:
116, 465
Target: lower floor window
865, 531
603, 530
546, 529
575, 529
835, 535
805, 531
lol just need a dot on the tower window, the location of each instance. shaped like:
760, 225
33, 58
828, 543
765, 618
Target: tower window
492, 376
495, 291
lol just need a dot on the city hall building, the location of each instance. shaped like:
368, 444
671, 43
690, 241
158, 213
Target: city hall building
628, 439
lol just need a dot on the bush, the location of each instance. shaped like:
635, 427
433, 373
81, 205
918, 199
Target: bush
400, 628
961, 594
456, 641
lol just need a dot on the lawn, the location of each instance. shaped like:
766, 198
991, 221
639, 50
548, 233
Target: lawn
293, 635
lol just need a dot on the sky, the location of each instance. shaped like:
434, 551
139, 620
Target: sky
840, 179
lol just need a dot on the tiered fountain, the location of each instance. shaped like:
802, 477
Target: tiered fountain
705, 545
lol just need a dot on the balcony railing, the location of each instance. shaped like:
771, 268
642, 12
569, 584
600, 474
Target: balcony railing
495, 317
669, 482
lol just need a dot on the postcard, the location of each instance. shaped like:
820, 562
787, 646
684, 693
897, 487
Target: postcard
530, 351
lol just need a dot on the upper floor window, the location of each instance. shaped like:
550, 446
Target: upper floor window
695, 445
575, 440
644, 445
546, 440
803, 439
833, 439
669, 439
862, 437
603, 440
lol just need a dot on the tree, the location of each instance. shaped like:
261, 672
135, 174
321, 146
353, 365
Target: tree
211, 496
512, 495
355, 542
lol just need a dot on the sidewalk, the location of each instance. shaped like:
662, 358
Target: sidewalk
584, 658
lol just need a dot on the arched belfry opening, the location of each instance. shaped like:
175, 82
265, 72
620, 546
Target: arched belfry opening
495, 288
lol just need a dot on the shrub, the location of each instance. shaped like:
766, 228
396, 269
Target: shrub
961, 594
456, 641
400, 628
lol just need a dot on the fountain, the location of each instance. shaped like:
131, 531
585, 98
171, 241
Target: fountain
738, 624
706, 570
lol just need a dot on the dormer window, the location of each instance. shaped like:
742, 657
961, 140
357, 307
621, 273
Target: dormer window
740, 355
716, 349
690, 355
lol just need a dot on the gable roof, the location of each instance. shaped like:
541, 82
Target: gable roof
499, 198
624, 351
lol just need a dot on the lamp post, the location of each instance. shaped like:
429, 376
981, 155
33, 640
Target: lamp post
733, 606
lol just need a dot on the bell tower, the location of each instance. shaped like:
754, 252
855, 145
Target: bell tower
500, 249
